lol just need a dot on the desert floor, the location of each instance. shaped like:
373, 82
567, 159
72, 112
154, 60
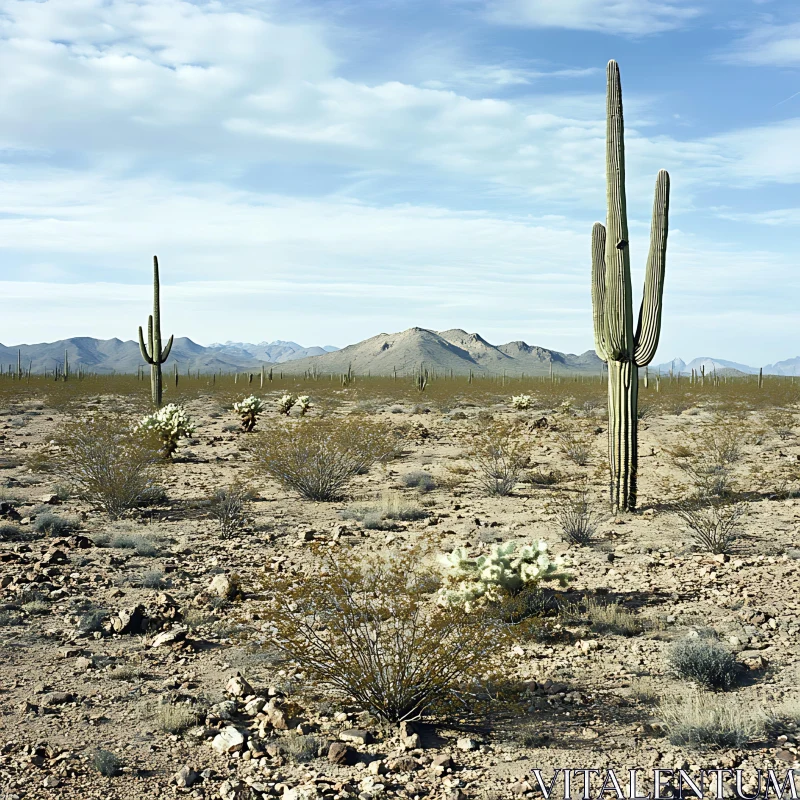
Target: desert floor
585, 687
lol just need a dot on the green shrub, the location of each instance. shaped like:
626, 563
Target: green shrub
709, 663
371, 633
49, 524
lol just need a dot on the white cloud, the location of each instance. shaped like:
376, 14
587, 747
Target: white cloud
622, 17
766, 45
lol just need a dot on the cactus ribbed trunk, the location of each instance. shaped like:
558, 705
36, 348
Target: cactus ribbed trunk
624, 347
623, 433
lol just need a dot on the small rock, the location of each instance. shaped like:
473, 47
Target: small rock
589, 733
235, 790
239, 687
443, 761
169, 637
83, 663
225, 586
57, 698
254, 706
185, 776
228, 740
51, 782
376, 767
341, 753
467, 744
356, 735
48, 499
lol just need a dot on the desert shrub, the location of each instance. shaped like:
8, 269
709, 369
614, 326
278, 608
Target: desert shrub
539, 477
228, 507
497, 455
575, 447
49, 524
509, 569
705, 661
419, 480
713, 525
285, 403
701, 719
300, 749
248, 409
9, 532
177, 718
106, 763
127, 540
378, 516
613, 618
577, 519
170, 424
303, 404
369, 632
108, 462
521, 402
152, 579
318, 457
92, 620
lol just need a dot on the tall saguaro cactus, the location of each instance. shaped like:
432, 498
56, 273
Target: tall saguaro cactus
616, 341
152, 352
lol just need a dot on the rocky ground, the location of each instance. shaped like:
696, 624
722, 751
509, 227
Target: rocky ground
142, 639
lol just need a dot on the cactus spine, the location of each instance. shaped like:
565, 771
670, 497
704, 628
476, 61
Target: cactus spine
616, 341
152, 352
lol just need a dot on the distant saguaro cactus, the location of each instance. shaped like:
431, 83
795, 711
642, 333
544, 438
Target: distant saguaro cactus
616, 341
152, 352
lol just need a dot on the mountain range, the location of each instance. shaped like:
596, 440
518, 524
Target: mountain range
383, 354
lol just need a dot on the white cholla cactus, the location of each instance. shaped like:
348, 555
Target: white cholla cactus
303, 403
249, 409
170, 423
285, 403
506, 571
522, 402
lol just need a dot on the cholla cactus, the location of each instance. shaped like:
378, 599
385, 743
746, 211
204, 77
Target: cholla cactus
285, 403
521, 402
170, 424
504, 573
249, 409
304, 404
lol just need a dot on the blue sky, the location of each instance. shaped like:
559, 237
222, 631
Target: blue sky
326, 171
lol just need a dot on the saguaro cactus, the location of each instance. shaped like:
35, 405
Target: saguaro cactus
616, 341
152, 352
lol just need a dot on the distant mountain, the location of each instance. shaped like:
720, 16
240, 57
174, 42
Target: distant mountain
278, 351
114, 355
723, 367
443, 351
791, 366
383, 354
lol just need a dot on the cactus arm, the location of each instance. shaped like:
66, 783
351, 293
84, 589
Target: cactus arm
142, 347
618, 315
649, 328
599, 288
165, 353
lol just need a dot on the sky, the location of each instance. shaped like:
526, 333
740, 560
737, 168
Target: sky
326, 171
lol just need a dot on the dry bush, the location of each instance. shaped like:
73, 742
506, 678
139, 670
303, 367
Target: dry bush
714, 526
383, 514
575, 447
577, 519
373, 633
318, 457
108, 462
228, 507
697, 719
538, 477
497, 455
